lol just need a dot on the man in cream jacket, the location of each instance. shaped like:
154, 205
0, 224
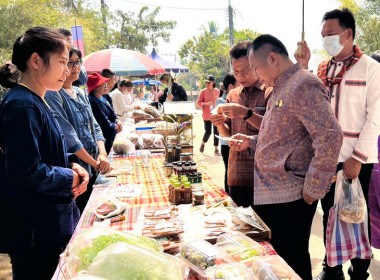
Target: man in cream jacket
352, 79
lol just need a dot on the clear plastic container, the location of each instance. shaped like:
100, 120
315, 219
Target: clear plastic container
201, 257
240, 247
272, 268
232, 272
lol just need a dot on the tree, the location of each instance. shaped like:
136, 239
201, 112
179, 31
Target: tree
367, 23
138, 30
208, 54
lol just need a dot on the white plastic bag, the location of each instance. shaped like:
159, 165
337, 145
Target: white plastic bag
350, 200
121, 261
89, 242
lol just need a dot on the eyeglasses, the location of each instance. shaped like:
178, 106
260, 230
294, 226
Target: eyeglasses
208, 82
105, 85
72, 64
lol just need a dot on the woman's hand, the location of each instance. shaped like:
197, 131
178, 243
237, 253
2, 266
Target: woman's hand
119, 126
104, 164
80, 181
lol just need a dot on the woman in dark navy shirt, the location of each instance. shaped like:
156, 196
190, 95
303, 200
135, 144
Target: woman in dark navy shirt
103, 111
38, 185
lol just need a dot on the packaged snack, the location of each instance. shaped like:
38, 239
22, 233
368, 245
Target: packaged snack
106, 206
232, 272
202, 257
240, 247
273, 268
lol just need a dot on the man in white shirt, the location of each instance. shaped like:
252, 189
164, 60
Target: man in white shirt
352, 80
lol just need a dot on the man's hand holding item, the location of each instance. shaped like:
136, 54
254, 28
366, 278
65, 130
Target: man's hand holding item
304, 60
351, 168
241, 145
233, 110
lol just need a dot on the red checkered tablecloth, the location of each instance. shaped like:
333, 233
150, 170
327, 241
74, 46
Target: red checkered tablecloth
154, 193
154, 189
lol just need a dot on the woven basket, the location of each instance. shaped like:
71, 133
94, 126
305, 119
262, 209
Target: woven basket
164, 132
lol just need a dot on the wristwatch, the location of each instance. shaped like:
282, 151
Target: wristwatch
248, 115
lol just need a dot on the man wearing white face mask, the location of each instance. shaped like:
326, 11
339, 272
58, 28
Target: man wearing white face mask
352, 80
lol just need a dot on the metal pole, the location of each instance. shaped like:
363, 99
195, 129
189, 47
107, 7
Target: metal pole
231, 26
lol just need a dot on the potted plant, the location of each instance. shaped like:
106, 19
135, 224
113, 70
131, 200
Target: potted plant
181, 123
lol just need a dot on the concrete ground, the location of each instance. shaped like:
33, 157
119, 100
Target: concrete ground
215, 167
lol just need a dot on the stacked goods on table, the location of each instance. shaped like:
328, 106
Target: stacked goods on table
186, 223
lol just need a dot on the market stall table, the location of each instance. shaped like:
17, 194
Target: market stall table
155, 193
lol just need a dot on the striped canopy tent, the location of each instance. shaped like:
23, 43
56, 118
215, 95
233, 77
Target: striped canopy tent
169, 66
122, 62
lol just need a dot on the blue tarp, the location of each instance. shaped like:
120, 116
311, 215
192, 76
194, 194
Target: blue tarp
147, 82
169, 66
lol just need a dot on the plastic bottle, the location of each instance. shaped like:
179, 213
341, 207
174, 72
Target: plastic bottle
187, 193
177, 193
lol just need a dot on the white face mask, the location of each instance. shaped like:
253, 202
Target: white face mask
331, 44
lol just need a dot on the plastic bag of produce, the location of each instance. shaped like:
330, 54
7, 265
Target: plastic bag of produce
121, 261
139, 114
136, 140
122, 146
148, 140
158, 141
273, 268
89, 242
152, 111
350, 200
105, 206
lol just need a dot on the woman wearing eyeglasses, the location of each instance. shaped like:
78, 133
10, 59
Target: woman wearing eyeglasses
103, 111
83, 134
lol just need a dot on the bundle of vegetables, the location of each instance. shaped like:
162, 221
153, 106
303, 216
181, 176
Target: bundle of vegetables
88, 243
121, 261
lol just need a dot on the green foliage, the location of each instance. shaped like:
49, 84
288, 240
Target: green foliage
208, 54
367, 23
137, 31
101, 28
180, 123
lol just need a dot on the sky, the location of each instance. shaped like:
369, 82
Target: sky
281, 18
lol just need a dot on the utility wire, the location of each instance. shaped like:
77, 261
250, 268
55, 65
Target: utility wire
178, 8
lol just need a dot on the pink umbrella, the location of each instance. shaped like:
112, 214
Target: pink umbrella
123, 62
